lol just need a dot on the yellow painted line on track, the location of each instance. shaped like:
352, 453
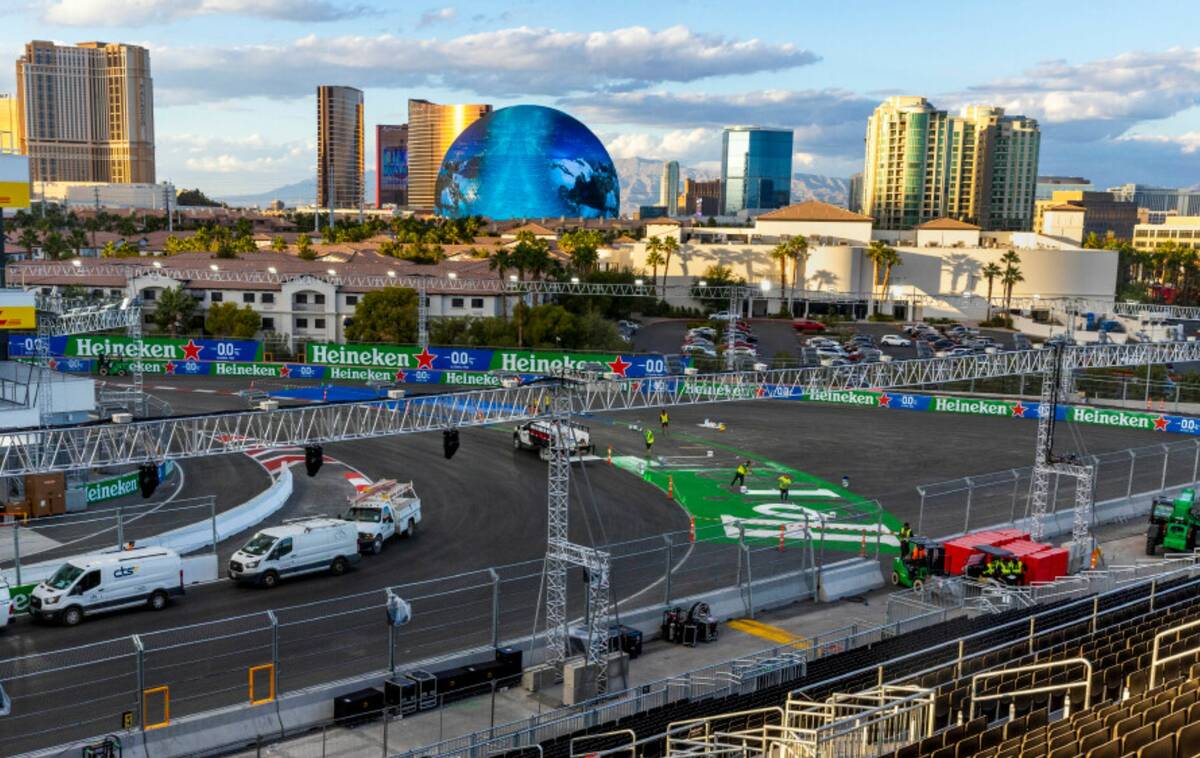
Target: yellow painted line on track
774, 634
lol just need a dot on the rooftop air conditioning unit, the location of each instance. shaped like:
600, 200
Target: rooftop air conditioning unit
122, 418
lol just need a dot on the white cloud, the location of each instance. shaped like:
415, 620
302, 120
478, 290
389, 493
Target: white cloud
147, 12
520, 61
1187, 143
1099, 99
251, 154
436, 16
803, 159
679, 144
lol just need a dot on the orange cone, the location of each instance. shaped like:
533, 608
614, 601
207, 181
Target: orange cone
670, 486
610, 455
862, 548
781, 533
692, 530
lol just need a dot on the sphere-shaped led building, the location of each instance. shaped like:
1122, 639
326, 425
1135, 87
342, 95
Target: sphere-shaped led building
527, 161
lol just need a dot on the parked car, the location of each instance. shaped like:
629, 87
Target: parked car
703, 331
383, 510
701, 350
807, 325
943, 344
744, 351
956, 352
895, 340
830, 352
108, 581
722, 316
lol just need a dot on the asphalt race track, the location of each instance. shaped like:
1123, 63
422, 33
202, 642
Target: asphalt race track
484, 508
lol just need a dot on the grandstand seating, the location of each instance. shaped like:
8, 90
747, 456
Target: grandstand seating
1114, 632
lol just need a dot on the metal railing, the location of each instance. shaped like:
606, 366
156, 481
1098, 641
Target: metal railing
1086, 683
962, 505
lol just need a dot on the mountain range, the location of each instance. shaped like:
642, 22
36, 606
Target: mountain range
640, 178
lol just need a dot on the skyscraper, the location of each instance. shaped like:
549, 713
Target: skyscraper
668, 188
921, 163
432, 129
9, 124
391, 165
854, 193
756, 169
86, 113
701, 198
339, 147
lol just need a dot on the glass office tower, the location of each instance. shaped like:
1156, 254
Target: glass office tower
756, 169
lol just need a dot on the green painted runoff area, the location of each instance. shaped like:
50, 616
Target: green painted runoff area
702, 486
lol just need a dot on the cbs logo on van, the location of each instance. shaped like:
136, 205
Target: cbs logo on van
123, 571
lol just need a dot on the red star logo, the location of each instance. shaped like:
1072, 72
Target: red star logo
425, 359
885, 400
191, 351
285, 371
169, 366
52, 363
401, 376
636, 386
1160, 423
1018, 409
760, 391
619, 365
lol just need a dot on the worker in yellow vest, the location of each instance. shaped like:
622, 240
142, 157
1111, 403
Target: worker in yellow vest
785, 483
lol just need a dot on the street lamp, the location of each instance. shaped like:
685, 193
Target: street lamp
703, 282
574, 280
452, 275
272, 270
765, 286
76, 263
392, 274
331, 272
638, 282
157, 264
214, 267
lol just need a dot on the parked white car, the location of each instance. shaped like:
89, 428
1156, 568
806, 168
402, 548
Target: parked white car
831, 352
895, 340
7, 608
109, 581
820, 342
299, 546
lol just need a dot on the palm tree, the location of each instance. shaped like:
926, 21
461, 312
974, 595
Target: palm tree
500, 262
782, 253
279, 244
891, 259
173, 310
670, 246
1011, 276
800, 256
878, 252
54, 246
654, 249
28, 239
991, 272
77, 239
654, 259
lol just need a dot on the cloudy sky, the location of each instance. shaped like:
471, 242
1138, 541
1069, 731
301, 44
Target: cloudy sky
1117, 89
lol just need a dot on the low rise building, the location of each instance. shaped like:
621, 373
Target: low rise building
1183, 231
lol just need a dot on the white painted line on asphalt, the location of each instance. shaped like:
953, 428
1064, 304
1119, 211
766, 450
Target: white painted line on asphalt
794, 492
206, 392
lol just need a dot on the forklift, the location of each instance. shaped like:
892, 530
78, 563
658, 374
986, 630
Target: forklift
1173, 524
908, 571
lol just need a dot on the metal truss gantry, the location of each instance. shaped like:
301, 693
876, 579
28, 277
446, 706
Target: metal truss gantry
179, 437
59, 317
561, 554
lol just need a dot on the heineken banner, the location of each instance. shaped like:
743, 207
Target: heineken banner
152, 348
396, 357
119, 486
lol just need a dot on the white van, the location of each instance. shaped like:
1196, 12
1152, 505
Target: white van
110, 581
8, 609
299, 546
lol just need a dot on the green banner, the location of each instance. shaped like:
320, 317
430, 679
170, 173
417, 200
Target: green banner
972, 405
119, 486
20, 597
1107, 417
156, 348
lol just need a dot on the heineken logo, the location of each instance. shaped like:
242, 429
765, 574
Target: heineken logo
111, 488
358, 355
94, 347
844, 397
360, 374
1112, 418
971, 405
531, 363
246, 369
470, 379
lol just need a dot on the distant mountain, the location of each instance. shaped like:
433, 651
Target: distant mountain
303, 192
640, 178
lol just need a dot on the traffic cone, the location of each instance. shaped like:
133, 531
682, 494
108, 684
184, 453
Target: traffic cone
610, 455
862, 548
670, 486
692, 530
781, 533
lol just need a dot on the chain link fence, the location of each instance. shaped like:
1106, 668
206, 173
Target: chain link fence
973, 502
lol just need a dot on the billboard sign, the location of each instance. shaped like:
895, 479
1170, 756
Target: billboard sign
14, 181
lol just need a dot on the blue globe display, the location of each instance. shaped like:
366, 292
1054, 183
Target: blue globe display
527, 161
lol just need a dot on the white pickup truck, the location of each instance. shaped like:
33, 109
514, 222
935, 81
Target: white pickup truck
383, 510
536, 435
